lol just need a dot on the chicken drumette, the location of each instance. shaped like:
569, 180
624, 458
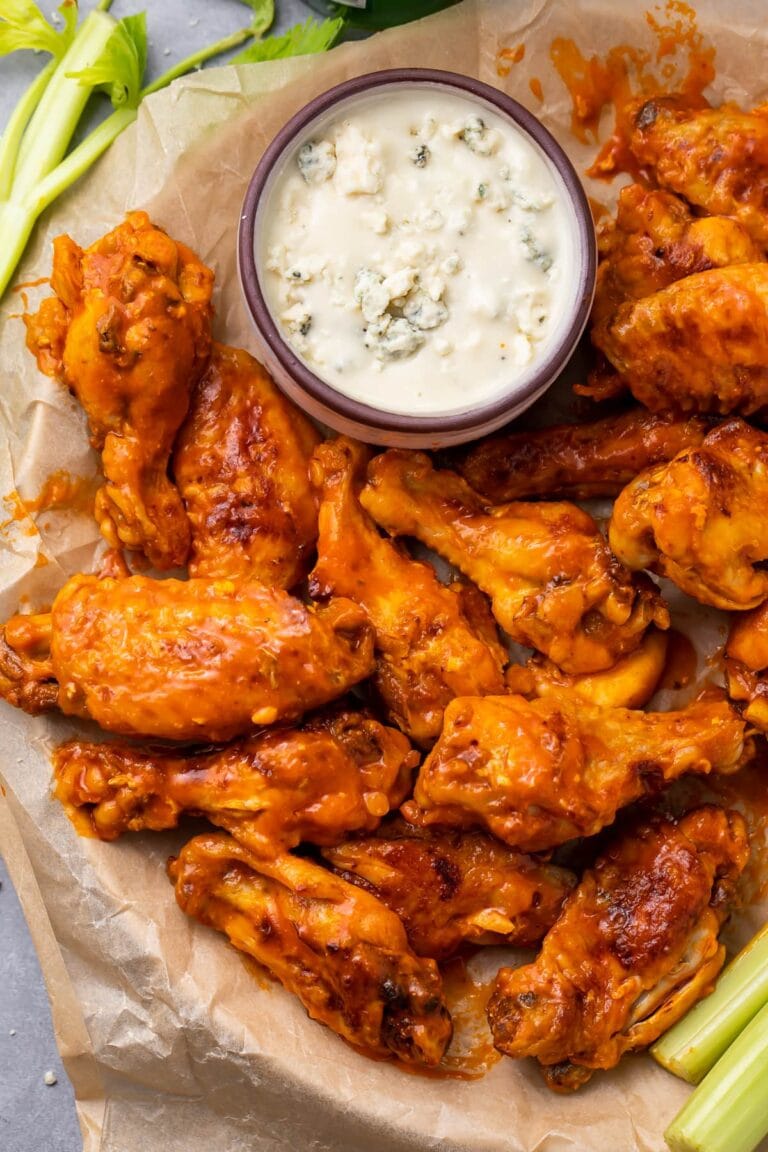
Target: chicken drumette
340, 772
335, 946
128, 331
449, 887
717, 158
182, 660
241, 466
552, 580
577, 460
538, 773
432, 642
699, 519
636, 945
700, 345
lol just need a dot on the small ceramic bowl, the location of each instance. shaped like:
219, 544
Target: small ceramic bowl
319, 398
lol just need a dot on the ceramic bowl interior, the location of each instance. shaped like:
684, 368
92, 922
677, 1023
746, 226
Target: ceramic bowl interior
321, 399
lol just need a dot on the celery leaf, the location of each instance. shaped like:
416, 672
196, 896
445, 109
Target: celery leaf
119, 71
22, 25
301, 40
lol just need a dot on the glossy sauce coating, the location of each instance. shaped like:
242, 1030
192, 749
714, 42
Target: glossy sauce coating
636, 945
334, 946
700, 345
128, 331
717, 158
538, 773
552, 580
433, 642
196, 659
340, 772
452, 887
578, 460
241, 466
700, 519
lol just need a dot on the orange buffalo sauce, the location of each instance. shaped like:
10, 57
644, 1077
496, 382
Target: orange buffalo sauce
682, 62
61, 491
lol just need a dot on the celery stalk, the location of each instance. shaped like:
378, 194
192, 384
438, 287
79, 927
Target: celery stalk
14, 129
728, 1112
56, 117
697, 1041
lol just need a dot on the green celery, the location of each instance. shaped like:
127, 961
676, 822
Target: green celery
56, 117
728, 1112
697, 1041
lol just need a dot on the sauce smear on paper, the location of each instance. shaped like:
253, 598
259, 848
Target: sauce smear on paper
61, 491
681, 62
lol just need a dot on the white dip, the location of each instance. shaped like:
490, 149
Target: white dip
418, 251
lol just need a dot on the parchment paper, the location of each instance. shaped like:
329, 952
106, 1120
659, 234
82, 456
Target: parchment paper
171, 1043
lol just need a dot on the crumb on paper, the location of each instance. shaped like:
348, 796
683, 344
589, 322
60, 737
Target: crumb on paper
50, 1078
12, 1032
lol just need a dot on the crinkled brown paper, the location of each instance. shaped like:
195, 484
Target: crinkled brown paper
171, 1043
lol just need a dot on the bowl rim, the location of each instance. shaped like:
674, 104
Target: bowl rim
326, 394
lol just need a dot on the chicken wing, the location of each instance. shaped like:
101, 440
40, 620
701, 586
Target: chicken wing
241, 466
553, 583
198, 659
538, 773
700, 520
746, 664
717, 158
577, 460
340, 772
654, 241
334, 946
636, 945
128, 331
449, 887
430, 644
700, 345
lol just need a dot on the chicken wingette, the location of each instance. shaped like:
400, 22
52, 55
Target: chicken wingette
450, 887
635, 946
339, 772
577, 460
717, 158
433, 642
336, 947
699, 519
197, 659
128, 331
552, 580
241, 466
537, 773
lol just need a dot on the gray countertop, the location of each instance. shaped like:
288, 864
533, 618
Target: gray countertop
34, 1116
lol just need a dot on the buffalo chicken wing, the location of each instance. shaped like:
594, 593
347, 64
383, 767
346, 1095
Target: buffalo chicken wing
717, 158
336, 947
432, 642
182, 660
636, 945
241, 466
538, 773
552, 580
700, 519
449, 887
340, 772
577, 460
700, 345
128, 331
